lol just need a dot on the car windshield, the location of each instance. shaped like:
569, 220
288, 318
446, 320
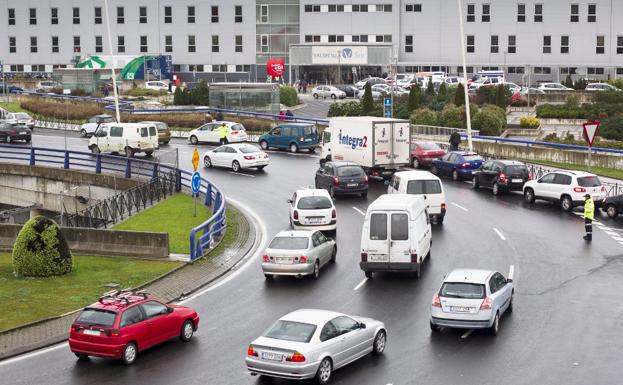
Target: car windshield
428, 146
309, 130
289, 243
107, 119
314, 203
291, 331
516, 170
237, 127
22, 116
589, 181
462, 290
424, 187
248, 149
350, 171
97, 317
471, 157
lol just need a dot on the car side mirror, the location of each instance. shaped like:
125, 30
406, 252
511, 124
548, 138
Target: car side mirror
320, 171
362, 325
386, 183
509, 280
538, 181
289, 200
169, 309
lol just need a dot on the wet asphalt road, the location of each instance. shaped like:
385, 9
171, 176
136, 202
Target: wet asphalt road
565, 329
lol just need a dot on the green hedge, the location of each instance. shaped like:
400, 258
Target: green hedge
288, 96
424, 116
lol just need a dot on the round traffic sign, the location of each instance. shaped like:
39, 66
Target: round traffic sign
195, 182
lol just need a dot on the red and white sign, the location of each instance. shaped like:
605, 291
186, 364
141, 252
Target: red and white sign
590, 132
275, 67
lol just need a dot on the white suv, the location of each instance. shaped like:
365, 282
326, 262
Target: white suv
566, 187
312, 209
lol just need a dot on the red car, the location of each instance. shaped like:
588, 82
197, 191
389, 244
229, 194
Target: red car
423, 153
123, 323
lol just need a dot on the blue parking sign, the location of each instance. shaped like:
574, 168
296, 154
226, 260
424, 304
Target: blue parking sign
387, 102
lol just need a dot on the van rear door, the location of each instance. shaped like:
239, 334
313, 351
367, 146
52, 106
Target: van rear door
401, 145
382, 144
378, 242
399, 244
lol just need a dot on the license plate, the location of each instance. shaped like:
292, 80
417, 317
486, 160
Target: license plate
378, 257
272, 356
314, 220
352, 184
459, 309
22, 132
283, 260
92, 332
517, 180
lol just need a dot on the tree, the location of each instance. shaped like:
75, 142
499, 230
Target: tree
178, 97
367, 103
430, 88
500, 96
442, 94
459, 95
201, 94
568, 82
424, 116
414, 98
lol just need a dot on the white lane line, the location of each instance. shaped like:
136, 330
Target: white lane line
459, 206
359, 211
241, 174
33, 354
361, 284
611, 233
499, 233
467, 333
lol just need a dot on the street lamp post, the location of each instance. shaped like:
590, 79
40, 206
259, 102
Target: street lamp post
339, 66
114, 64
467, 112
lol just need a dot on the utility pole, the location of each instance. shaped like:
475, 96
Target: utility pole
467, 112
339, 66
114, 63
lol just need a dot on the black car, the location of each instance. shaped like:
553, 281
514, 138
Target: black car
10, 132
501, 176
342, 178
9, 89
350, 90
613, 206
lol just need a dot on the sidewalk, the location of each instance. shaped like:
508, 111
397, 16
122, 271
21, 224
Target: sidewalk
170, 287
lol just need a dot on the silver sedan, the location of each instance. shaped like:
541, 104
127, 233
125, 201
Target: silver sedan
298, 253
311, 343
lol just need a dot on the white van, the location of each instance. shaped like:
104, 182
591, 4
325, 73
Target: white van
127, 138
396, 234
421, 182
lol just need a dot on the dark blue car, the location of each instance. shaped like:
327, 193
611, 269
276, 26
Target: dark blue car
458, 164
291, 136
9, 89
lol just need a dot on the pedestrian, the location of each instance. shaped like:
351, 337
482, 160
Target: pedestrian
282, 115
106, 92
222, 131
289, 114
304, 87
219, 115
455, 141
589, 214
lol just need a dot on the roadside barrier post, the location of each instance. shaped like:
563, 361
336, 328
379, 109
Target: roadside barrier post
32, 156
98, 164
208, 201
66, 162
154, 174
128, 168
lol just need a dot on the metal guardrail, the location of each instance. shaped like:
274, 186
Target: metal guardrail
200, 237
529, 143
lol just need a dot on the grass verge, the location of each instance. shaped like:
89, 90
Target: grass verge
30, 299
607, 172
173, 216
13, 107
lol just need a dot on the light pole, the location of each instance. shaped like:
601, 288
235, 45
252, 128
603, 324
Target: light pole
467, 113
339, 66
114, 63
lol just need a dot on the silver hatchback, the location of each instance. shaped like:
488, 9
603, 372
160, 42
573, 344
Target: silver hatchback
298, 253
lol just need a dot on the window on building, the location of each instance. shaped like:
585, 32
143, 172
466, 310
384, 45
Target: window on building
512, 44
143, 45
168, 43
76, 15
12, 44
263, 13
538, 13
219, 68
11, 12
471, 12
542, 70
99, 46
37, 68
17, 68
547, 44
215, 47
33, 44
263, 43
120, 44
142, 15
238, 43
312, 8
595, 71
55, 44
312, 38
486, 13
215, 13
168, 15
195, 67
619, 45
190, 13
575, 13
592, 13
568, 70
413, 7
191, 44
238, 14
76, 43
471, 43
521, 13
32, 13
53, 15
564, 44
243, 68
98, 15
336, 38
360, 7
383, 7
495, 47
336, 8
601, 45
120, 15
619, 70
516, 70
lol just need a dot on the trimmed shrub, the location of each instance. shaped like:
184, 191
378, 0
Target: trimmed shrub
178, 96
459, 95
612, 128
200, 95
41, 250
144, 92
424, 116
488, 121
367, 103
430, 88
180, 120
57, 109
500, 96
345, 109
288, 96
415, 98
609, 97
529, 122
559, 111
452, 116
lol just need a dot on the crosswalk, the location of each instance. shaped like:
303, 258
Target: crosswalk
612, 233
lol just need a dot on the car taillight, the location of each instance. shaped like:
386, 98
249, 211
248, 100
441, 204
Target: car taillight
295, 215
529, 177
302, 139
443, 206
465, 165
486, 304
303, 259
265, 258
76, 327
375, 173
365, 179
336, 181
579, 189
424, 153
413, 257
436, 301
502, 178
603, 188
296, 357
251, 352
333, 214
113, 333
364, 257
234, 132
248, 157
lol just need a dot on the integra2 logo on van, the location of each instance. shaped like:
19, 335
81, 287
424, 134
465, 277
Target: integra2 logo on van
352, 141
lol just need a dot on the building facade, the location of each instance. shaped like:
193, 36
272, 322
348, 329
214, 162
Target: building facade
547, 40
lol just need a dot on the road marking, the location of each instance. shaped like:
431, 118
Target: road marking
467, 333
361, 283
33, 354
359, 211
611, 233
241, 174
499, 234
511, 272
459, 206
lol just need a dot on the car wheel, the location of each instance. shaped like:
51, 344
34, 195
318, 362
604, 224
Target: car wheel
294, 148
315, 96
235, 166
149, 153
83, 133
433, 327
333, 96
311, 150
496, 189
368, 274
165, 142
440, 220
566, 203
434, 170
82, 357
129, 353
188, 329
334, 254
95, 149
260, 168
475, 184
528, 195
129, 152
268, 277
194, 140
28, 140
324, 371
379, 343
495, 328
455, 175
612, 211
510, 304
418, 271
316, 272
207, 162
415, 163
264, 145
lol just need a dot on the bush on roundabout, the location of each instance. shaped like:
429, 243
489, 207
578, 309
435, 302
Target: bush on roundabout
41, 250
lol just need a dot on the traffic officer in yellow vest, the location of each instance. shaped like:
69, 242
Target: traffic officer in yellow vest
589, 214
222, 131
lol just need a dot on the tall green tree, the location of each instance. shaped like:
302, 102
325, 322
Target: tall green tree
414, 98
201, 94
367, 103
500, 96
459, 95
178, 97
430, 88
443, 92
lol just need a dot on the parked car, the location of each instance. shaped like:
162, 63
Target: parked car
156, 85
565, 187
485, 82
472, 299
342, 178
11, 132
350, 90
209, 133
298, 253
291, 136
376, 94
48, 85
613, 206
458, 164
512, 87
236, 156
403, 79
453, 80
164, 133
600, 87
21, 118
553, 87
423, 183
328, 92
312, 343
312, 209
533, 91
388, 89
10, 88
423, 153
89, 128
122, 324
372, 80
124, 138
501, 176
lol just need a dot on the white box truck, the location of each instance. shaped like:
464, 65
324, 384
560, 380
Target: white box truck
380, 145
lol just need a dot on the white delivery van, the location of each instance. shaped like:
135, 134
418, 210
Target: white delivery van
396, 234
379, 145
424, 183
126, 138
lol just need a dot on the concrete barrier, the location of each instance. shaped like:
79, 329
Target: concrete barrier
101, 242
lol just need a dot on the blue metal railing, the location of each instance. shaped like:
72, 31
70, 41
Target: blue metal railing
546, 144
200, 237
